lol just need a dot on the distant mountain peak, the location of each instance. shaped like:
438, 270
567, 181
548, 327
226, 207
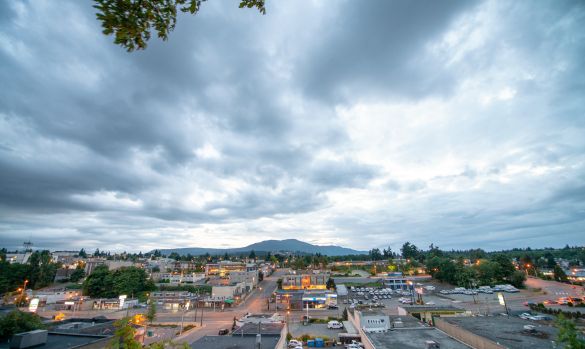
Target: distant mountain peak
286, 245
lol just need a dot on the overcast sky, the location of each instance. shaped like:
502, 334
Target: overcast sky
356, 123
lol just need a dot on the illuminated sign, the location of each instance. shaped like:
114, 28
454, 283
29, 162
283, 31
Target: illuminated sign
34, 304
122, 299
501, 298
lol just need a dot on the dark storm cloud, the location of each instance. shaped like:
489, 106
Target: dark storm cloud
265, 126
378, 48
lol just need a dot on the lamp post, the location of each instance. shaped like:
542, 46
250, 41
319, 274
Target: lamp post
22, 292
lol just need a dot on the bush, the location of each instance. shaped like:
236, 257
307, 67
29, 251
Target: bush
17, 322
305, 337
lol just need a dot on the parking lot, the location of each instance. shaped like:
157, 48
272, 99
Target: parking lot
370, 297
297, 329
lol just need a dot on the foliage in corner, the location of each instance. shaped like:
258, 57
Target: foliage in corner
568, 333
131, 21
17, 321
124, 336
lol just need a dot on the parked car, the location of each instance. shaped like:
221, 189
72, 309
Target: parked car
334, 324
539, 317
293, 343
223, 332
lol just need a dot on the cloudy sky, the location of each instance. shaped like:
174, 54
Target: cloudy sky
361, 124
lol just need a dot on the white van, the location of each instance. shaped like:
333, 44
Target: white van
334, 324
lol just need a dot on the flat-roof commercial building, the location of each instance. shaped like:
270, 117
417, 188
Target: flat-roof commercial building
299, 299
419, 338
264, 328
380, 331
371, 321
178, 278
68, 341
305, 281
235, 342
498, 332
223, 268
399, 283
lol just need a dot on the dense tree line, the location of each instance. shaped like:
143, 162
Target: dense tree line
109, 284
39, 271
496, 270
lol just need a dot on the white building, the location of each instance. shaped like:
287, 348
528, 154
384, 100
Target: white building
372, 321
221, 293
179, 278
249, 278
20, 258
52, 297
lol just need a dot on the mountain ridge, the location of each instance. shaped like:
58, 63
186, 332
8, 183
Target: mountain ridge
287, 245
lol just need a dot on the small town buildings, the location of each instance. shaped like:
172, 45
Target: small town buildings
174, 300
223, 268
232, 292
52, 297
305, 281
19, 257
576, 274
397, 281
248, 277
178, 278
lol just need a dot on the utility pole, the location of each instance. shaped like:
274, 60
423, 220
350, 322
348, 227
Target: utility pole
201, 316
195, 310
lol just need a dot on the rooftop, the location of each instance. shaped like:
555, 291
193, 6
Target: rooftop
429, 308
65, 341
414, 338
508, 331
229, 342
265, 329
407, 321
259, 316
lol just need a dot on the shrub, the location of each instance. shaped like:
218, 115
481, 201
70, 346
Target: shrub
17, 321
